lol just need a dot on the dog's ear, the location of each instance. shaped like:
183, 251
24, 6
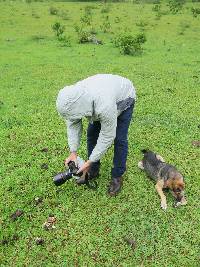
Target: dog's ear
178, 186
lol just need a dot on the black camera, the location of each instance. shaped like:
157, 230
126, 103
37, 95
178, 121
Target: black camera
62, 177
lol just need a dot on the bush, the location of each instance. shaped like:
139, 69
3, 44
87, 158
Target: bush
65, 40
195, 11
141, 38
175, 5
53, 11
142, 24
129, 44
58, 29
156, 7
106, 25
86, 19
83, 35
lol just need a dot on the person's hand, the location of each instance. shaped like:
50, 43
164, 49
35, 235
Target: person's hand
72, 157
85, 167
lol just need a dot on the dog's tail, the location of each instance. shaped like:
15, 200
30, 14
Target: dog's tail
144, 151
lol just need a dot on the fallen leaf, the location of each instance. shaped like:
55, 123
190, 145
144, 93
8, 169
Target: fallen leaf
39, 241
49, 224
196, 143
51, 220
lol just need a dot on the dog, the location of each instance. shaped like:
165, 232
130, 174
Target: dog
165, 176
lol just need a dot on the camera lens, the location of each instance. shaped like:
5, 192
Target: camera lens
61, 178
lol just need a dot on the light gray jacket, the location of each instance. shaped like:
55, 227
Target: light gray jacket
101, 97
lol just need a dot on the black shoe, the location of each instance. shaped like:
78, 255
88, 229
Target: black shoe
94, 171
115, 186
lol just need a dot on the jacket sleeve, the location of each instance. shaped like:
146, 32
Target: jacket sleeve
107, 134
74, 133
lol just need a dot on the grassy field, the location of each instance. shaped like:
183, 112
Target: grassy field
90, 226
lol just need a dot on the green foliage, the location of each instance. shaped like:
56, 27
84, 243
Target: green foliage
159, 11
195, 11
142, 24
140, 38
83, 34
65, 40
90, 226
175, 5
106, 25
58, 29
156, 7
129, 44
86, 19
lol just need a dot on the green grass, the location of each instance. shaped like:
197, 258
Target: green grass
90, 226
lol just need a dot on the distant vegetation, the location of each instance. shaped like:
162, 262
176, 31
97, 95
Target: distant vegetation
46, 46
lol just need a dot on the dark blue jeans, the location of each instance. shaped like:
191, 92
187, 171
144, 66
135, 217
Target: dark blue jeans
120, 142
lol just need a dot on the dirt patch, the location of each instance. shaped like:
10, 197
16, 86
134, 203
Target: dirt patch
50, 223
16, 214
130, 242
44, 149
39, 241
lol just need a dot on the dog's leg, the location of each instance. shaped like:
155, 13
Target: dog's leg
140, 165
159, 187
183, 201
160, 158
